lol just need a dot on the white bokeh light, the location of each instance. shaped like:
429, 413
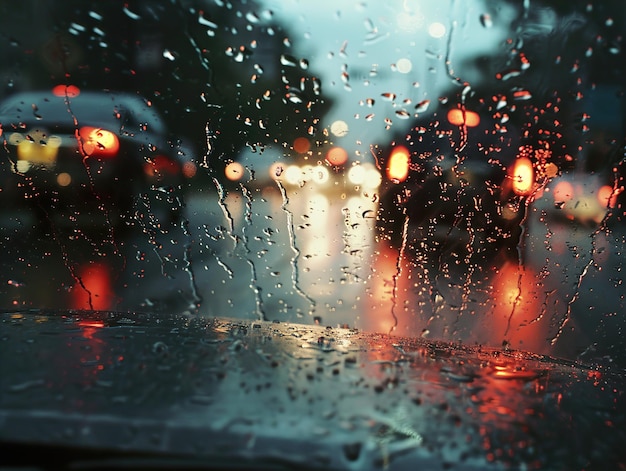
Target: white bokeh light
437, 30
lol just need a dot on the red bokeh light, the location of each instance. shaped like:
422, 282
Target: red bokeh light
301, 145
70, 91
337, 156
93, 288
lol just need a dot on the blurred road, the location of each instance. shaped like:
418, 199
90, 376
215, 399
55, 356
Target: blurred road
301, 255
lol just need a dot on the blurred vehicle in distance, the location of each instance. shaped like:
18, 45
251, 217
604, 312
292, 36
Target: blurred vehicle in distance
458, 181
326, 168
68, 149
582, 198
592, 193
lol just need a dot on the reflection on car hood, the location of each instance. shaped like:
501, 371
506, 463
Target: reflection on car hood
215, 390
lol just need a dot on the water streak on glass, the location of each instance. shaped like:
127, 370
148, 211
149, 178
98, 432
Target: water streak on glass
295, 273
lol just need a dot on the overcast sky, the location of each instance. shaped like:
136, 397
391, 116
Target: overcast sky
393, 52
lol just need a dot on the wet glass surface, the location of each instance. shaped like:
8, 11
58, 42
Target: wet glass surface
449, 172
190, 388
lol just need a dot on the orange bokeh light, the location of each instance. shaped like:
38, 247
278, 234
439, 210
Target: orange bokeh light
563, 192
459, 117
98, 141
523, 176
234, 171
607, 196
337, 156
398, 165
301, 145
517, 309
189, 169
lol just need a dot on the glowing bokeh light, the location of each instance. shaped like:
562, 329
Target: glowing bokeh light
70, 91
523, 176
234, 171
337, 156
398, 165
356, 175
98, 141
64, 179
301, 145
95, 290
293, 175
437, 30
607, 196
339, 128
459, 117
563, 192
404, 65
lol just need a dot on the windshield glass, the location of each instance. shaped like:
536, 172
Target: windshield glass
448, 171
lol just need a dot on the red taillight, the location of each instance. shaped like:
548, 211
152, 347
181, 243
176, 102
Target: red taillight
69, 91
93, 289
98, 142
161, 166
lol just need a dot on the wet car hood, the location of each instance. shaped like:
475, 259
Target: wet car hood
132, 391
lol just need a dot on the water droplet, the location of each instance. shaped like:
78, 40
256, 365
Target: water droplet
252, 17
294, 96
422, 106
507, 74
130, 14
160, 348
16, 284
388, 96
403, 114
203, 21
288, 60
522, 95
486, 20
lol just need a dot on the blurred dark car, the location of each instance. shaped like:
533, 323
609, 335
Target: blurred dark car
459, 182
85, 154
